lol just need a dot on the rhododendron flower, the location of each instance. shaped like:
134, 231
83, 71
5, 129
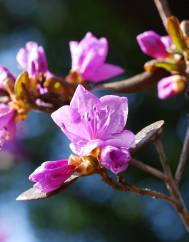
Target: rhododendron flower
33, 59
88, 58
5, 74
154, 45
90, 122
7, 123
170, 86
51, 175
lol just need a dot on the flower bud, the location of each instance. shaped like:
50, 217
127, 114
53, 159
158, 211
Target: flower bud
171, 86
115, 159
51, 175
32, 58
151, 44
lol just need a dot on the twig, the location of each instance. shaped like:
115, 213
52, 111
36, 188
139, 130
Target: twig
183, 157
171, 184
123, 186
162, 156
164, 11
133, 84
146, 168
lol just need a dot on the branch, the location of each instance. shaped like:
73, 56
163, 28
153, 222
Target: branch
123, 186
183, 157
172, 186
164, 11
148, 169
133, 84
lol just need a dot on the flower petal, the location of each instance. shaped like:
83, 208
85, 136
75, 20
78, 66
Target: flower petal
118, 109
94, 58
104, 72
51, 175
168, 43
115, 159
83, 100
70, 123
125, 139
151, 44
6, 114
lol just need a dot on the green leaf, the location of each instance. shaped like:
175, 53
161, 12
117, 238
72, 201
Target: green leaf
175, 32
152, 65
22, 81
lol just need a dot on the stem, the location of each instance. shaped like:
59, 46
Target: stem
133, 84
183, 157
123, 186
164, 11
171, 185
148, 169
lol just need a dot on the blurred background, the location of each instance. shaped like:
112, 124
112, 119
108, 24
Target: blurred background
88, 211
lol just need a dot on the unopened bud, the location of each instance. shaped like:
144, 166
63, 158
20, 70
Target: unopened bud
171, 86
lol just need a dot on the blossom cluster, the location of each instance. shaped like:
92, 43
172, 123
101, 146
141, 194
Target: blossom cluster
35, 88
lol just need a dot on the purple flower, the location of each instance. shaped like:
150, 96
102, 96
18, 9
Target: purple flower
170, 86
51, 175
5, 74
7, 123
33, 59
154, 45
115, 159
88, 58
90, 122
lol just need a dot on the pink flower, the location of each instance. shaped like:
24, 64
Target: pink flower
51, 175
33, 59
88, 58
154, 45
7, 123
170, 86
90, 122
5, 74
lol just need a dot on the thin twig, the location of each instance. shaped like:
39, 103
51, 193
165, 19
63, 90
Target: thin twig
183, 157
146, 168
123, 186
134, 84
171, 184
162, 156
164, 10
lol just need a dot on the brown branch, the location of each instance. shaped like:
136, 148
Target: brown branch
133, 84
171, 184
183, 158
164, 11
123, 186
148, 169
